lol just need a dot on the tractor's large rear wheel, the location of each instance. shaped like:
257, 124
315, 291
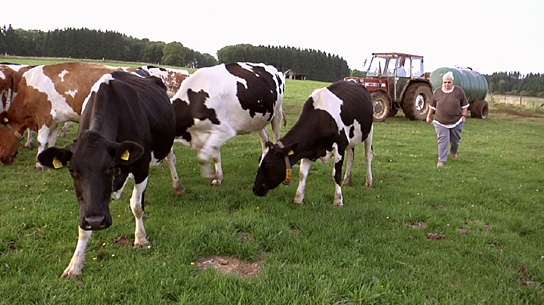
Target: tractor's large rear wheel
416, 100
479, 109
380, 105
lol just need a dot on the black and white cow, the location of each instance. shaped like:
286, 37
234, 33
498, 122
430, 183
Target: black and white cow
216, 103
127, 124
333, 121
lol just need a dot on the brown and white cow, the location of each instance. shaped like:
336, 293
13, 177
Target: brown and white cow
333, 121
172, 78
217, 103
128, 123
48, 95
10, 77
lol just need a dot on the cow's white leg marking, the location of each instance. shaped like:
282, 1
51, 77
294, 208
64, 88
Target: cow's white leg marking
302, 176
42, 138
349, 159
30, 139
263, 135
78, 258
136, 207
179, 190
117, 195
211, 148
218, 169
369, 155
336, 175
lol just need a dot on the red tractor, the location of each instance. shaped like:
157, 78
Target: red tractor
397, 81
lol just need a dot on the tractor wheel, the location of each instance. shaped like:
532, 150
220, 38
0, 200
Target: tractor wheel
380, 105
416, 100
479, 110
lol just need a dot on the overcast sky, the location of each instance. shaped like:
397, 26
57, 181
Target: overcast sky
489, 36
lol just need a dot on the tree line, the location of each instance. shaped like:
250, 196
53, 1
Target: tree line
514, 83
110, 45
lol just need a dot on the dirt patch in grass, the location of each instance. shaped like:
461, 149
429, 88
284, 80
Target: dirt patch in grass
517, 113
230, 265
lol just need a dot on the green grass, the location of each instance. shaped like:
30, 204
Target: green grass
487, 206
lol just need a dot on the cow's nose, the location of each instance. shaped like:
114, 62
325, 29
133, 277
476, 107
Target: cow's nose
94, 222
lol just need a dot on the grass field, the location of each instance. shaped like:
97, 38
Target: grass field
467, 233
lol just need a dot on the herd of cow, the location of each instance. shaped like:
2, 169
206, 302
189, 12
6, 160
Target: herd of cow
129, 120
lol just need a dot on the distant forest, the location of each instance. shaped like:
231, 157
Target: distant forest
110, 45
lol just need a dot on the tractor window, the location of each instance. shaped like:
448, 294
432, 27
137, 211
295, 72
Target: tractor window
417, 67
377, 66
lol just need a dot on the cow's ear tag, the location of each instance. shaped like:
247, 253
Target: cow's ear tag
6, 120
56, 163
125, 155
290, 152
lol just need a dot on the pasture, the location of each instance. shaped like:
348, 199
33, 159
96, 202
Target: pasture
467, 233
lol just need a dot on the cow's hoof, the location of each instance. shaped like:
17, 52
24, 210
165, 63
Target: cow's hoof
179, 190
141, 243
70, 273
216, 182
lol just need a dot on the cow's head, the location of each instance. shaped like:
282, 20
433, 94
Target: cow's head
93, 163
274, 168
9, 141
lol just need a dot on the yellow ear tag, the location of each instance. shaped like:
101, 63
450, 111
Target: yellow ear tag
56, 163
290, 152
6, 120
125, 155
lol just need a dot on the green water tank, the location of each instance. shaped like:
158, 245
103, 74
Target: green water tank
473, 83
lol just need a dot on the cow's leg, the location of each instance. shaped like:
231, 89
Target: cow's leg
136, 206
350, 155
119, 183
218, 168
211, 149
78, 259
337, 174
369, 155
30, 139
302, 176
42, 138
263, 135
277, 120
64, 130
179, 190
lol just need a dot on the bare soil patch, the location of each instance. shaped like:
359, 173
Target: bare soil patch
230, 265
516, 113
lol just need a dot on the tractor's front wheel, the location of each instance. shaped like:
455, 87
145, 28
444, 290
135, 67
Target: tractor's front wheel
416, 100
380, 105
